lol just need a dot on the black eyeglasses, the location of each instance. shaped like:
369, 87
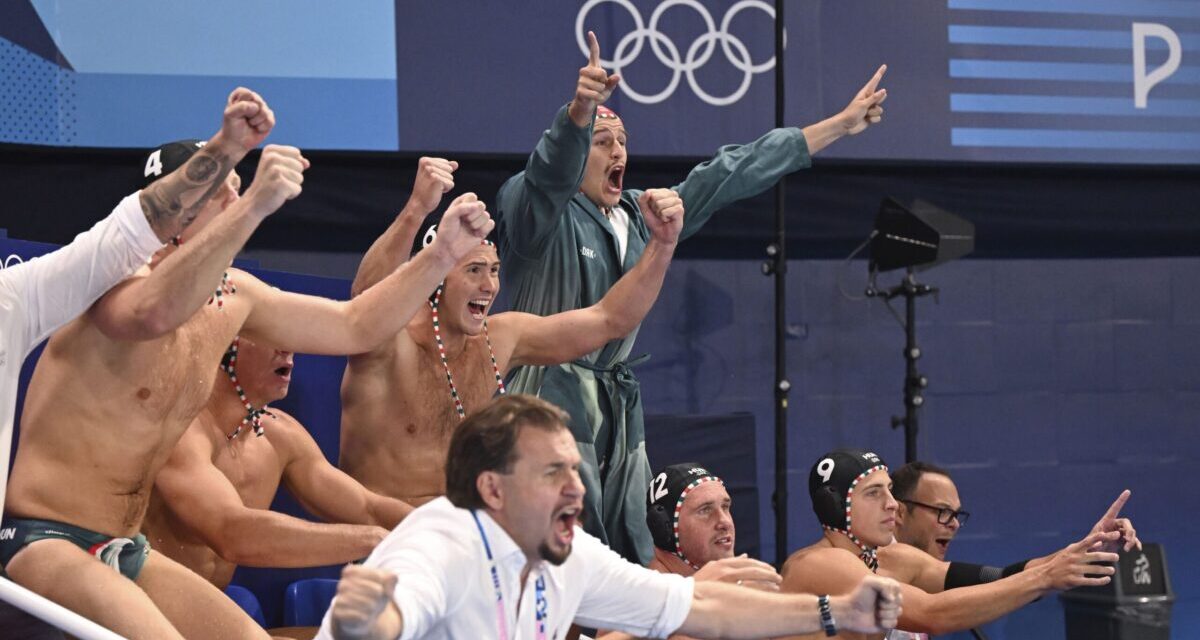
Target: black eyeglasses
944, 514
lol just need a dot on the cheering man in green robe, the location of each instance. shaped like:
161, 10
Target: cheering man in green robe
568, 230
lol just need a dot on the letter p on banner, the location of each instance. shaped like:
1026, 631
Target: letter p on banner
1143, 82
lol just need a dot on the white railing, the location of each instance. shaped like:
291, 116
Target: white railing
53, 613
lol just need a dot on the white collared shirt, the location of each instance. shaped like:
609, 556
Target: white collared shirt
445, 586
39, 295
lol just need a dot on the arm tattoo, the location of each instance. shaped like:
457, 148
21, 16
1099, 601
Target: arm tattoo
171, 204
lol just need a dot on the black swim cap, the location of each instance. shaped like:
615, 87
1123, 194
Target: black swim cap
831, 483
168, 158
668, 490
429, 229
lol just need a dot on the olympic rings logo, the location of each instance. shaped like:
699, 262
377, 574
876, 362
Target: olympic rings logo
698, 54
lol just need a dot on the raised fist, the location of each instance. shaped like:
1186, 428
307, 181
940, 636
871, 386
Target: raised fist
465, 224
247, 119
663, 211
435, 178
277, 180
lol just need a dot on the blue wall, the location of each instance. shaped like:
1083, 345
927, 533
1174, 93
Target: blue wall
1053, 385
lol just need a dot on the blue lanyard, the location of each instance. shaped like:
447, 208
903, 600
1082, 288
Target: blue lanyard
539, 590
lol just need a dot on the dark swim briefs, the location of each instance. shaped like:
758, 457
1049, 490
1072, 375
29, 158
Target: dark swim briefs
126, 555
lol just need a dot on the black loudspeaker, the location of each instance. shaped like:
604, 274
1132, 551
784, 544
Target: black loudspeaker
1135, 605
919, 236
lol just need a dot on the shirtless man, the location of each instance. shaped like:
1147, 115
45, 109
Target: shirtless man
41, 294
401, 401
116, 389
210, 509
851, 494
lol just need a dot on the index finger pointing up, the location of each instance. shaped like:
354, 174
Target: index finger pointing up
869, 88
594, 46
1117, 505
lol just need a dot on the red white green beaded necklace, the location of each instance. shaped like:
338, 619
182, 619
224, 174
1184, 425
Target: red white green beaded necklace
437, 336
253, 416
226, 287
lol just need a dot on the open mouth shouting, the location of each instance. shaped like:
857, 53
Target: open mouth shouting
614, 179
565, 520
478, 307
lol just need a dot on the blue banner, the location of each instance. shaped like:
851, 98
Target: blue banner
1111, 81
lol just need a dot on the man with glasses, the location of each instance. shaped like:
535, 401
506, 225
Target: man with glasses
852, 496
930, 511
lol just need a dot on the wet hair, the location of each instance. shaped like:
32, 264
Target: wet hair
906, 478
487, 441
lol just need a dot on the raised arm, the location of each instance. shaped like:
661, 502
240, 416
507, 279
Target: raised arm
172, 203
307, 324
206, 501
61, 285
743, 171
563, 337
146, 307
435, 177
864, 110
326, 491
534, 203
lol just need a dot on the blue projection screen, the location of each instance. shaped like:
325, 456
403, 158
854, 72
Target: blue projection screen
1104, 81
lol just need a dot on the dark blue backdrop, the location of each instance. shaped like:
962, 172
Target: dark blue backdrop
1053, 385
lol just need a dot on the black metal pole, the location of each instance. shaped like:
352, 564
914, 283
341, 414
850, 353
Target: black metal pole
914, 383
778, 254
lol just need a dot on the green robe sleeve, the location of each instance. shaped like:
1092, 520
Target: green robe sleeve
738, 172
535, 201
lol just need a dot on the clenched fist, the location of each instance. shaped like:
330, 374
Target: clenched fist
247, 119
363, 595
465, 224
663, 211
435, 178
277, 180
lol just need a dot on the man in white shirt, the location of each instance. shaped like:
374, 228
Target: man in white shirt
502, 552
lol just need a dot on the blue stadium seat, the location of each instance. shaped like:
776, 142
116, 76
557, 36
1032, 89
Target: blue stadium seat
247, 601
306, 601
